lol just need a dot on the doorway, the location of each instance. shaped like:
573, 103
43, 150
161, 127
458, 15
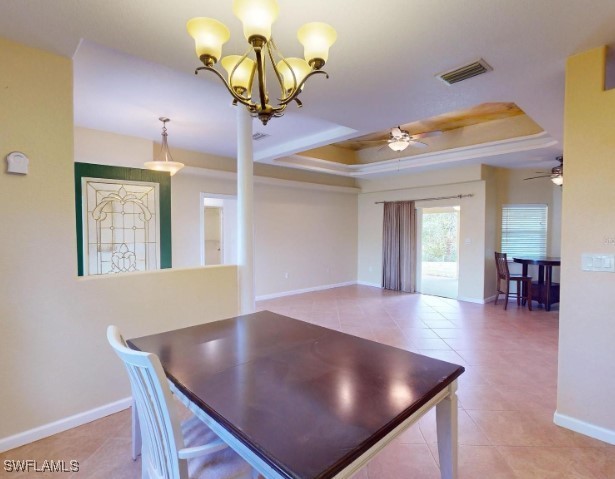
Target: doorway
213, 235
218, 229
438, 251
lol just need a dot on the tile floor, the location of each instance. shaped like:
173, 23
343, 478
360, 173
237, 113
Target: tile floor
506, 396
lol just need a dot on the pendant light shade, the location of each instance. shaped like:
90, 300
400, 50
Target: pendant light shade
164, 162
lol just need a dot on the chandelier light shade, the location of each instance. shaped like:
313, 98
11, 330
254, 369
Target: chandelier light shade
257, 17
242, 70
293, 70
209, 36
316, 38
558, 180
291, 74
164, 162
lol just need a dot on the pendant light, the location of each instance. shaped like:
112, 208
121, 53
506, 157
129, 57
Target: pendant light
164, 162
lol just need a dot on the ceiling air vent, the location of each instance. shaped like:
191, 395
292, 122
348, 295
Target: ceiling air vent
259, 136
463, 73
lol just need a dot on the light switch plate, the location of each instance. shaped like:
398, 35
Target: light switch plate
598, 262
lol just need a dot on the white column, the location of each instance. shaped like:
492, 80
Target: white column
245, 211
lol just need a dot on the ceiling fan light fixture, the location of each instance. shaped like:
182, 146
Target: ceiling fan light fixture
398, 145
558, 180
164, 162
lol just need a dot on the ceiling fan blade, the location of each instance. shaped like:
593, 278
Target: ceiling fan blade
535, 177
426, 134
418, 144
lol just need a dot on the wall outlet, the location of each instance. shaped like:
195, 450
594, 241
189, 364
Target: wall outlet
285, 275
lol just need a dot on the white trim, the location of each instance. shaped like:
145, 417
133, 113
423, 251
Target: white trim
367, 283
332, 135
304, 290
508, 146
586, 428
476, 300
61, 425
265, 180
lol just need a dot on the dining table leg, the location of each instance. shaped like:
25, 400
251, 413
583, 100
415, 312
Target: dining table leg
446, 424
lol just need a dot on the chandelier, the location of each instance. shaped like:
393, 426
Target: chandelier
291, 74
164, 162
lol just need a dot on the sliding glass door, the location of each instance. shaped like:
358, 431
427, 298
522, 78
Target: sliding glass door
439, 251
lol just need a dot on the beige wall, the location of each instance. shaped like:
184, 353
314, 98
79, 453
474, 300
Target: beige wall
472, 222
587, 315
308, 230
309, 234
54, 358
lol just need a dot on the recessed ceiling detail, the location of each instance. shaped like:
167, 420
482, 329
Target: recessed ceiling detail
485, 112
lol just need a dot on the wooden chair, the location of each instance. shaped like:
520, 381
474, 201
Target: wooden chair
167, 445
524, 283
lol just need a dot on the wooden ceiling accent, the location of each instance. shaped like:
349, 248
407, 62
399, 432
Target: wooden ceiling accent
448, 121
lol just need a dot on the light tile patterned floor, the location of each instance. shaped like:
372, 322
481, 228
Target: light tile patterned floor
507, 394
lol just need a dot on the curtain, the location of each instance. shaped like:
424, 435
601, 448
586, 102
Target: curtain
399, 246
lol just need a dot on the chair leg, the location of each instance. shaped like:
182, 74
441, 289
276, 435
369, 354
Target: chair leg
497, 295
506, 296
136, 432
519, 293
529, 296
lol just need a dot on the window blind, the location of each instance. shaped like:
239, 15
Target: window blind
524, 230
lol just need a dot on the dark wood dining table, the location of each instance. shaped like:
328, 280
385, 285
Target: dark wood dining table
300, 401
543, 290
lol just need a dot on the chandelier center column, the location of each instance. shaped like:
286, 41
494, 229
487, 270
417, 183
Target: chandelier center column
245, 212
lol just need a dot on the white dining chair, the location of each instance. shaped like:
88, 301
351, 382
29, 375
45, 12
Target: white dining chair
169, 449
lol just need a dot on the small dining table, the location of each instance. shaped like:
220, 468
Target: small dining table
300, 401
544, 290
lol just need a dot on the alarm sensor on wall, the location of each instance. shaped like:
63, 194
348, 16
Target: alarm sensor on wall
17, 163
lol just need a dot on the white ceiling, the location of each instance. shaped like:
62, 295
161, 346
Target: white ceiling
134, 62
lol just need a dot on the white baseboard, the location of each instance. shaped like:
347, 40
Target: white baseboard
305, 290
366, 283
46, 430
582, 427
474, 300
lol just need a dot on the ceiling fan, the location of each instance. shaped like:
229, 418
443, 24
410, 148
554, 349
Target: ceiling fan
556, 175
400, 139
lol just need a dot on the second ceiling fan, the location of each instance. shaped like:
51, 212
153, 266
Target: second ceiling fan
556, 175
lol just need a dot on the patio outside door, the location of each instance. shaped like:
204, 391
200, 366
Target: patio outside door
439, 251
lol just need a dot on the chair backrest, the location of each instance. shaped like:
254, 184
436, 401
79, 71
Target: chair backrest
160, 429
501, 264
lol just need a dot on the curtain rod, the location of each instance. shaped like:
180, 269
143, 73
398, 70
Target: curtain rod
428, 199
